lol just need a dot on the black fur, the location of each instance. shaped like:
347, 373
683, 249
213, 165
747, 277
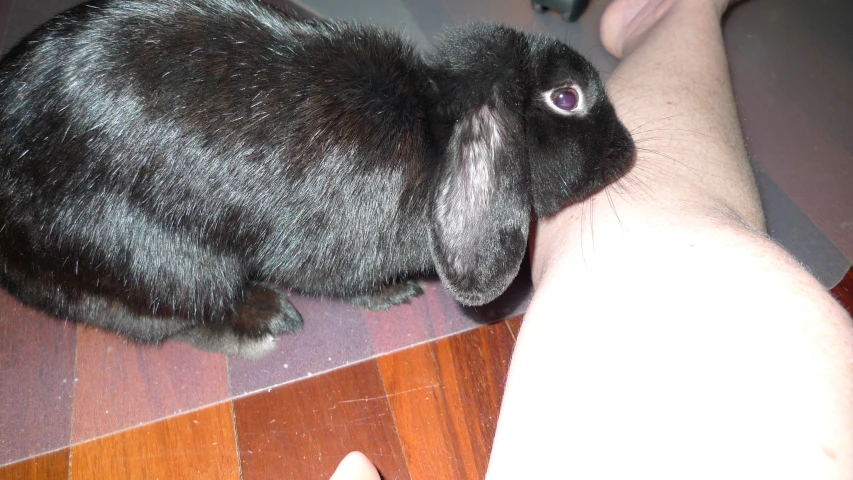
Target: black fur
162, 160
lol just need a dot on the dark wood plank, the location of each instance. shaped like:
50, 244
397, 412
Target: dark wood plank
36, 381
843, 292
446, 397
52, 466
122, 385
199, 444
514, 325
303, 430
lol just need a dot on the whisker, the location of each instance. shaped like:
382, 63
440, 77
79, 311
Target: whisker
621, 188
672, 159
583, 253
689, 131
613, 207
591, 223
649, 170
637, 180
628, 188
634, 130
649, 139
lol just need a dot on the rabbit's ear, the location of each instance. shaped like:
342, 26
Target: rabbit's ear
481, 209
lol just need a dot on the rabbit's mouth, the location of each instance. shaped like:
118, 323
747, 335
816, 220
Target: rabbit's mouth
613, 163
617, 161
618, 157
599, 171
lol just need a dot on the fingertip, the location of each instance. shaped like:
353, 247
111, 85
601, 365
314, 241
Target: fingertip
355, 466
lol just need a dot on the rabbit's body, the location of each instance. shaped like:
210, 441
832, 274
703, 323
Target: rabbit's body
162, 162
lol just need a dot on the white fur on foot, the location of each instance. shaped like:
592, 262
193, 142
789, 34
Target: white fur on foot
227, 342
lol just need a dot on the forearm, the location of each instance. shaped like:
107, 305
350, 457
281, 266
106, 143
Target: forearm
707, 356
674, 94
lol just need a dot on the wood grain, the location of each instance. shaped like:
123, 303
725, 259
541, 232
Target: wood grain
843, 292
196, 445
51, 466
514, 325
303, 430
435, 420
122, 385
446, 396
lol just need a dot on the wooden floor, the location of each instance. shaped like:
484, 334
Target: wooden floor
427, 412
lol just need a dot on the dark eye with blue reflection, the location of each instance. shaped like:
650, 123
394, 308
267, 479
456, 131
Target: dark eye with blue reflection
566, 99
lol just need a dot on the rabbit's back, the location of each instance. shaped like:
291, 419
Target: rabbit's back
218, 130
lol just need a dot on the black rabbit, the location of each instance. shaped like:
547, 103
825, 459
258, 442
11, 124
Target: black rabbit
164, 163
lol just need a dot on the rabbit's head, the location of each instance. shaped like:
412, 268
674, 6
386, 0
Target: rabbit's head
576, 145
525, 125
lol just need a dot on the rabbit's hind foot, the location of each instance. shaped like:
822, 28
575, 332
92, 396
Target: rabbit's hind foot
264, 314
394, 294
219, 339
265, 310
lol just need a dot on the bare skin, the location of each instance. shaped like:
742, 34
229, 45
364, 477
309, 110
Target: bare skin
669, 338
355, 466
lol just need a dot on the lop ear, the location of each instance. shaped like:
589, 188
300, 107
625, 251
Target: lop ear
481, 209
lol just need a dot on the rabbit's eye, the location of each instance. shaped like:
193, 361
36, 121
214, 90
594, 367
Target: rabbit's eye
565, 99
